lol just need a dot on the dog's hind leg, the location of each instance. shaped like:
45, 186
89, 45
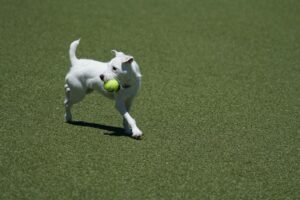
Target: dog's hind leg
67, 103
73, 95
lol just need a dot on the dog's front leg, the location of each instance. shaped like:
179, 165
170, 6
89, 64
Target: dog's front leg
121, 107
126, 126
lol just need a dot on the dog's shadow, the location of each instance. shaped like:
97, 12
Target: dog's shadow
113, 131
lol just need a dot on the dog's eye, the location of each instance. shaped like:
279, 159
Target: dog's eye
114, 68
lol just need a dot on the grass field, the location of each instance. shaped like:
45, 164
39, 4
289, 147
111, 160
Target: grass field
219, 105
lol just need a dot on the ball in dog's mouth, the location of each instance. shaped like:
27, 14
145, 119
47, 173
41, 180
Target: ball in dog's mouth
112, 85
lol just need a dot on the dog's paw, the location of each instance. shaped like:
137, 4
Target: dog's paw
136, 133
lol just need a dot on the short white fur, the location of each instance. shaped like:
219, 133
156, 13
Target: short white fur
87, 75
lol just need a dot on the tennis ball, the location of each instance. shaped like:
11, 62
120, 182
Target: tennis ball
112, 85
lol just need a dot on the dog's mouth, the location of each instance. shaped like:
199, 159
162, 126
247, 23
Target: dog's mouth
125, 86
121, 83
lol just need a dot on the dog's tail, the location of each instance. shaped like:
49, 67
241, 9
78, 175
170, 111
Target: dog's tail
72, 51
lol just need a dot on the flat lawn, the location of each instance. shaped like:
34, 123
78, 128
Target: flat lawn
219, 105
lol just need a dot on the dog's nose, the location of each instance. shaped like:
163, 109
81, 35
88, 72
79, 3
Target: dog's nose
102, 77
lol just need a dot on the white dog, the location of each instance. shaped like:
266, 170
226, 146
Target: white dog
86, 75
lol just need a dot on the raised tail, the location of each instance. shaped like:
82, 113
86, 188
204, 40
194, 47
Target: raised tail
72, 51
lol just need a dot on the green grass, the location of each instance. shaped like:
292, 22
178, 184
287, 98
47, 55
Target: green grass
219, 105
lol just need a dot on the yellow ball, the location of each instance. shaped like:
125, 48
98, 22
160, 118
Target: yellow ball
112, 85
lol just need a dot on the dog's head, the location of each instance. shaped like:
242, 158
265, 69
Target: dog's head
122, 67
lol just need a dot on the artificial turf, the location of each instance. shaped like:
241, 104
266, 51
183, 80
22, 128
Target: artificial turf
219, 105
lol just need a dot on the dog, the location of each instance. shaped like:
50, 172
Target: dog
86, 75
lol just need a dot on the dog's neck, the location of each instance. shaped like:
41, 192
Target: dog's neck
132, 81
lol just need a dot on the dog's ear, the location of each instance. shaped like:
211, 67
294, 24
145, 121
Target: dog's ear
136, 69
124, 58
115, 52
127, 59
